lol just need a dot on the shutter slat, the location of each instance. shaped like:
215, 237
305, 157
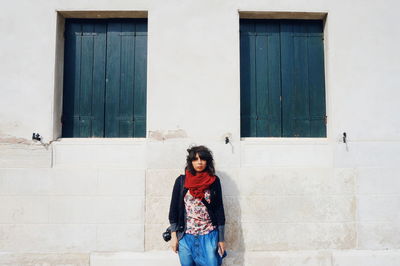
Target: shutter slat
127, 79
86, 91
140, 79
72, 72
99, 80
113, 78
247, 80
316, 80
300, 109
287, 74
262, 66
244, 79
273, 81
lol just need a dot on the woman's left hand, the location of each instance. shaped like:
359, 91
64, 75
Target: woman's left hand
221, 248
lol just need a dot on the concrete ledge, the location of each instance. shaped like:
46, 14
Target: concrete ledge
168, 258
366, 258
284, 258
165, 258
23, 155
48, 259
106, 153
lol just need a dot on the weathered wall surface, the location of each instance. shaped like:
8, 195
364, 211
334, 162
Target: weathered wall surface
288, 201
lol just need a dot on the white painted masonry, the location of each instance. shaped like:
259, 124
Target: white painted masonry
297, 201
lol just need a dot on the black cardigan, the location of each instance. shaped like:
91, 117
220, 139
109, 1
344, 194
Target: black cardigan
177, 212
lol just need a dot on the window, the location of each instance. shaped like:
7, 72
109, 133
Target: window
282, 78
105, 64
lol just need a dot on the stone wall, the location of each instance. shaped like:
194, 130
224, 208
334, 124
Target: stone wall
297, 201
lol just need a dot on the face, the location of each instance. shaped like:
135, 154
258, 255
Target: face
198, 164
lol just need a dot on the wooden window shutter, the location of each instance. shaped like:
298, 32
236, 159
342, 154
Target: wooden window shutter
282, 78
105, 78
260, 79
303, 85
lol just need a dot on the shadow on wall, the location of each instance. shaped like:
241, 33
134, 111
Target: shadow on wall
233, 228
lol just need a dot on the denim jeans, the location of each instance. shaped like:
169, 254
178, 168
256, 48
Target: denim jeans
199, 250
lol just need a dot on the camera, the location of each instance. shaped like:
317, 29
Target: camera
167, 235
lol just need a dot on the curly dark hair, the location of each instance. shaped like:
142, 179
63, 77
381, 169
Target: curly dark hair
204, 154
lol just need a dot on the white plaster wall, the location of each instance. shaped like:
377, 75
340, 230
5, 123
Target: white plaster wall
79, 196
186, 58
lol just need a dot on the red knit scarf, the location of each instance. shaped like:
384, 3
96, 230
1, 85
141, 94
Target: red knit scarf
198, 183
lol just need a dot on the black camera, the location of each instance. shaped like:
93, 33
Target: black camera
167, 235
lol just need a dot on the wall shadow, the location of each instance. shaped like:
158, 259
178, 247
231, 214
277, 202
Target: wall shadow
233, 228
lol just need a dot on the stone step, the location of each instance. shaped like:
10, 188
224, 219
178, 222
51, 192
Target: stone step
274, 258
149, 258
168, 258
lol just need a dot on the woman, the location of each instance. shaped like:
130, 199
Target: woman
196, 212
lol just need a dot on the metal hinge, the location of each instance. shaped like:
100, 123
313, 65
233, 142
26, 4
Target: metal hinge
326, 120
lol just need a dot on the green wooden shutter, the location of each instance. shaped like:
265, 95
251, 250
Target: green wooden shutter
105, 78
260, 79
303, 86
247, 80
282, 78
84, 79
140, 79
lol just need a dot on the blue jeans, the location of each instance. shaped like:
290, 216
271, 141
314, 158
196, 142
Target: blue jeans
199, 250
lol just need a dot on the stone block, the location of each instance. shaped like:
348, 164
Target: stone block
233, 209
378, 235
120, 209
234, 238
382, 154
25, 156
301, 258
117, 153
258, 154
166, 154
38, 238
72, 209
97, 209
150, 258
378, 208
157, 209
153, 237
296, 209
74, 181
378, 180
298, 236
287, 181
120, 237
160, 182
226, 156
24, 209
29, 181
366, 258
44, 259
121, 182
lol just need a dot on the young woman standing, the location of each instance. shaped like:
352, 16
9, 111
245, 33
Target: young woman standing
196, 212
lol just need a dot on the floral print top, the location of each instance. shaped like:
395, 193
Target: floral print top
198, 221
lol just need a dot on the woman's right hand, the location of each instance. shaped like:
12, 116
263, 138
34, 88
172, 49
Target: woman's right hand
174, 242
